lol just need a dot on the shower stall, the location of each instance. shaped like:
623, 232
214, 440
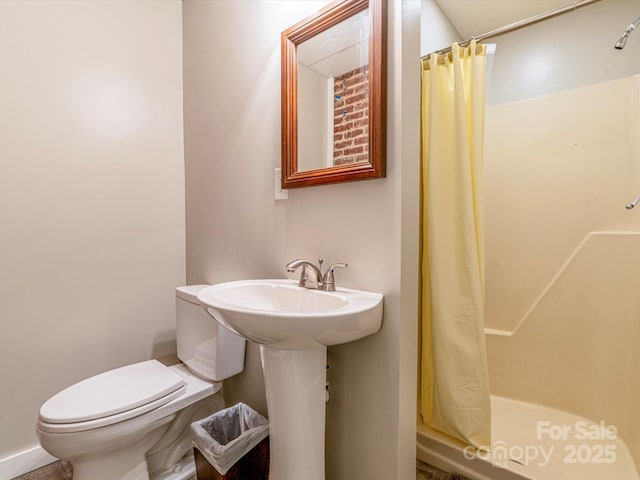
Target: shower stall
562, 312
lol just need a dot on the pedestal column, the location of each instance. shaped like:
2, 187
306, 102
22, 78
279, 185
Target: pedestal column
295, 386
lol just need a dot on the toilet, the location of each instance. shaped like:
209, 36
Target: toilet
133, 423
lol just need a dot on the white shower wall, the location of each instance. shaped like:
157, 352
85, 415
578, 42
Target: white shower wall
563, 254
562, 161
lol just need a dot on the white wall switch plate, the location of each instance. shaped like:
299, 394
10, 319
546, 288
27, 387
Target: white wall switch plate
280, 194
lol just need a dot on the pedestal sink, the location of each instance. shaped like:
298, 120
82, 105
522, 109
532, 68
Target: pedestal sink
294, 326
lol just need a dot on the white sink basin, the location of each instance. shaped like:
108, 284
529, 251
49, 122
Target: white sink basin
294, 326
281, 314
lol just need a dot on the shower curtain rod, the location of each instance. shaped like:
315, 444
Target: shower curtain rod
516, 25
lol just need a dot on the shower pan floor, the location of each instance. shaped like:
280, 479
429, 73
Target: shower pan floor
534, 442
558, 445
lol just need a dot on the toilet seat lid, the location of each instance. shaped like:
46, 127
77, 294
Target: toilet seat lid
112, 393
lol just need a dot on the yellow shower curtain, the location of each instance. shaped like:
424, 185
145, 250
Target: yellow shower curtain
454, 390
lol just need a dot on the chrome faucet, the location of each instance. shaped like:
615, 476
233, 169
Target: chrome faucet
312, 277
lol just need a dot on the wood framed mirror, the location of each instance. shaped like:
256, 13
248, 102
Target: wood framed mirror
334, 95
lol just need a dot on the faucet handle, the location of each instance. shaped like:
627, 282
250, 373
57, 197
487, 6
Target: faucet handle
329, 283
337, 265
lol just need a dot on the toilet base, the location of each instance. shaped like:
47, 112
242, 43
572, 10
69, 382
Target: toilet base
163, 454
183, 470
171, 458
126, 463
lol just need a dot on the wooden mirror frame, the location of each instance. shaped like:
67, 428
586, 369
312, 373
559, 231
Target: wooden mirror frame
324, 19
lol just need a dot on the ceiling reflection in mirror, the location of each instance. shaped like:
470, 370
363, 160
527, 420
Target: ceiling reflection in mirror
333, 95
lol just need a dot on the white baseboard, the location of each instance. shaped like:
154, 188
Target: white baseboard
24, 462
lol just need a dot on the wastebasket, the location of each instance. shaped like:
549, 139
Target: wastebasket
232, 444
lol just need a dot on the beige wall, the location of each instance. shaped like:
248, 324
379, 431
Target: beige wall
91, 193
436, 30
235, 229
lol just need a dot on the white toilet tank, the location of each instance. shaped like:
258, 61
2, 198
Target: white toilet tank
205, 346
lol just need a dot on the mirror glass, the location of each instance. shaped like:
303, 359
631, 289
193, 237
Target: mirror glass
334, 95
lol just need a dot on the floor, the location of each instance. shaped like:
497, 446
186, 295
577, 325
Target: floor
54, 471
62, 471
425, 471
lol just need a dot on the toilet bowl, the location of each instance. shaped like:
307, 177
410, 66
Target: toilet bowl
133, 423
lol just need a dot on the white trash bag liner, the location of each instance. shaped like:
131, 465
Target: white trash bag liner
228, 435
